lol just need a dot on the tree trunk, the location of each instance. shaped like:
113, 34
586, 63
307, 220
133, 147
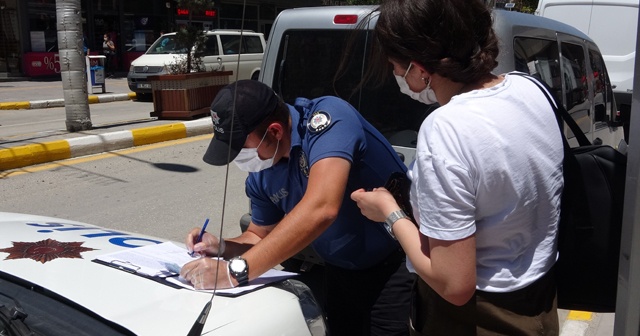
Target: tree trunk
73, 65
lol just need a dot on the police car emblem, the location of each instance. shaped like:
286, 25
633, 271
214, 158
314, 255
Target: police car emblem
319, 121
303, 164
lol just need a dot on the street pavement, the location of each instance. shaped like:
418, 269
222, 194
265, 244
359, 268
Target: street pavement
46, 143
22, 102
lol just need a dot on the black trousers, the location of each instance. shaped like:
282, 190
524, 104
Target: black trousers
375, 301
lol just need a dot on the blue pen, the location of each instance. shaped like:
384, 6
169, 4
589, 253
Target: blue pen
204, 228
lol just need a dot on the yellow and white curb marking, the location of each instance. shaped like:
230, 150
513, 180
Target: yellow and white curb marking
26, 155
40, 104
576, 323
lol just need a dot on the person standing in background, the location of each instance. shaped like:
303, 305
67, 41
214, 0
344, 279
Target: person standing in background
85, 46
108, 50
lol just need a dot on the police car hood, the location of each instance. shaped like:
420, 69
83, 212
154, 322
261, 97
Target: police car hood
57, 255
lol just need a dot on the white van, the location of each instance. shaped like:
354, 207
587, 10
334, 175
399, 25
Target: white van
310, 42
307, 45
220, 52
612, 24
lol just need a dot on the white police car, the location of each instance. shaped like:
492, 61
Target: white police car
49, 285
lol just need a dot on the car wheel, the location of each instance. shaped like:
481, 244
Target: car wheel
144, 96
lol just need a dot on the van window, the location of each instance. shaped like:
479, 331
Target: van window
166, 44
308, 62
250, 44
539, 58
211, 46
575, 84
602, 91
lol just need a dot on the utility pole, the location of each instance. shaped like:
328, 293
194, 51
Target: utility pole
6, 54
72, 65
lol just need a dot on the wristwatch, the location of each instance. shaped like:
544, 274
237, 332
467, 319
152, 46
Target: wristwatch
239, 269
392, 219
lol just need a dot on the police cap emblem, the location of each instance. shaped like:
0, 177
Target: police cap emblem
319, 121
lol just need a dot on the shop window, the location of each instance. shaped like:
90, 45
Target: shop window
42, 25
235, 11
107, 5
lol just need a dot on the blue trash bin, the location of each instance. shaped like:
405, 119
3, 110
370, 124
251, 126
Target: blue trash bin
97, 75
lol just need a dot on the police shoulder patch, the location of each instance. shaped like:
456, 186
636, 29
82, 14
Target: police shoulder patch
319, 121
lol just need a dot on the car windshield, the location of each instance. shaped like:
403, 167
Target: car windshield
166, 44
46, 313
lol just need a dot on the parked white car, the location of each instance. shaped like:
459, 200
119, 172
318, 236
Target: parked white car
222, 51
50, 285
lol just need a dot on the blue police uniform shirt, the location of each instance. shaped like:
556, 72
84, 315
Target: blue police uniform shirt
321, 128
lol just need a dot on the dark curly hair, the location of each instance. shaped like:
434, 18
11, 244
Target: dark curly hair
453, 38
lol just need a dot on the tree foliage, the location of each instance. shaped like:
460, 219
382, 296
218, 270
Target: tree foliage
190, 36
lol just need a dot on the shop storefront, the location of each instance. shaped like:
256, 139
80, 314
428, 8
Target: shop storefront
9, 37
132, 25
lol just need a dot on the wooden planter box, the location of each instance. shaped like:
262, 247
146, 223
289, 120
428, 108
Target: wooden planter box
186, 96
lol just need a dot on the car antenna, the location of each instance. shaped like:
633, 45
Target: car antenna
198, 325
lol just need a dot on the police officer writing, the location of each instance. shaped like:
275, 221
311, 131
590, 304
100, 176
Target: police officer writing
304, 160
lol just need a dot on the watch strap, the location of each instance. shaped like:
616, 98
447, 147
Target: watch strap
392, 219
241, 277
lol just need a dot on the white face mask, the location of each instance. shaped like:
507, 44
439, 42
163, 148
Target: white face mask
426, 96
248, 159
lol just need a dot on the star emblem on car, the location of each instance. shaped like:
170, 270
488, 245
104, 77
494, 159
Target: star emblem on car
45, 250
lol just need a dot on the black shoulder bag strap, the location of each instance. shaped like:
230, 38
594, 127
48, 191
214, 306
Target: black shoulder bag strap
571, 168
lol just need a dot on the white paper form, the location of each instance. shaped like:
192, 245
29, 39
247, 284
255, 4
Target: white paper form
160, 260
268, 277
151, 260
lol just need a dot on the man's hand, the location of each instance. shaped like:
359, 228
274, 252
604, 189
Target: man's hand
202, 274
210, 244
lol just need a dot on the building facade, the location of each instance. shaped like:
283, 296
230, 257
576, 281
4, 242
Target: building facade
28, 35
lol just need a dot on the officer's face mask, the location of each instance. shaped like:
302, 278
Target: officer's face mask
248, 159
426, 96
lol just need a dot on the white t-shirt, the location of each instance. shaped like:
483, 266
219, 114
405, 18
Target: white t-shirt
490, 162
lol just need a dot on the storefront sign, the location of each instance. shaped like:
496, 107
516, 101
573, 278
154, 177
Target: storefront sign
41, 64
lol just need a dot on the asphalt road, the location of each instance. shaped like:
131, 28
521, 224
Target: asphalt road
162, 190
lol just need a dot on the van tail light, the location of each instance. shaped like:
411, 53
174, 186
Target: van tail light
345, 19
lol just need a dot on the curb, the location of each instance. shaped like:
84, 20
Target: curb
26, 155
39, 104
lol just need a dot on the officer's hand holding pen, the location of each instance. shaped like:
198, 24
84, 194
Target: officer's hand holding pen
208, 245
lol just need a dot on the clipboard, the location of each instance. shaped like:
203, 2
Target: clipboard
126, 266
152, 261
161, 263
270, 278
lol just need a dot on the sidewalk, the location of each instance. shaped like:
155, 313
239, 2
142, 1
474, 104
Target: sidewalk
44, 93
23, 101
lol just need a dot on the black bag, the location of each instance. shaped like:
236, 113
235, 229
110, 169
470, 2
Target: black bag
398, 184
591, 221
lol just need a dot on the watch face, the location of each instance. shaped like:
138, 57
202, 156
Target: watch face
238, 265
